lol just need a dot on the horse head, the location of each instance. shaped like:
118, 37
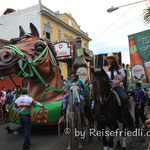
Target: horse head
33, 58
101, 84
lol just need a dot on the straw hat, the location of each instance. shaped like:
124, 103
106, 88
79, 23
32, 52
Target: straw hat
111, 55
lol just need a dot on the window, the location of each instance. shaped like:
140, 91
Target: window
48, 30
70, 23
48, 35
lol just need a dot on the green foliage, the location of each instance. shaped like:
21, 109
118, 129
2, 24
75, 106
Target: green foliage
146, 14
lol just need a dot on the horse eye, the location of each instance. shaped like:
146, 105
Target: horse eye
39, 47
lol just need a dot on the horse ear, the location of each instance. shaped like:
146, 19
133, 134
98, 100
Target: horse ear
34, 30
22, 32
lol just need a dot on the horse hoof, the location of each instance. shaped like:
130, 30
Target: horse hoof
80, 148
68, 148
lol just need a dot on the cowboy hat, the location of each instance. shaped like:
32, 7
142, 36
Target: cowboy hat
111, 55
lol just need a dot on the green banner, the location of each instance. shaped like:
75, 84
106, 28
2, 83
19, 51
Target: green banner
79, 52
139, 45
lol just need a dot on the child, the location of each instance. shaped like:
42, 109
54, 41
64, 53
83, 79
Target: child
73, 82
1, 111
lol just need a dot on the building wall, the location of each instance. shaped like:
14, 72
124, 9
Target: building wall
67, 18
64, 31
53, 24
10, 23
59, 32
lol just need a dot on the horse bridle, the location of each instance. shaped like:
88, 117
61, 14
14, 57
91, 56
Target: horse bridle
26, 61
101, 97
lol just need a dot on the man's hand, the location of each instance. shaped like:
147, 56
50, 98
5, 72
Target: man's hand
116, 83
147, 123
139, 107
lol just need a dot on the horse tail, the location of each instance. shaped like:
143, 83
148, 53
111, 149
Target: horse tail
130, 121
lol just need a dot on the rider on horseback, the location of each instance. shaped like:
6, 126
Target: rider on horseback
116, 75
73, 82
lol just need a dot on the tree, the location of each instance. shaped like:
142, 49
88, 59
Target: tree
147, 15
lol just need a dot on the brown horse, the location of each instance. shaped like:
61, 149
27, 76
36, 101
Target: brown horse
34, 59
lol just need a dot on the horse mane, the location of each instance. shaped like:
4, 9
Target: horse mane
102, 76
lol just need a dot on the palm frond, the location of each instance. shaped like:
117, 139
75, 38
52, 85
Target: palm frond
146, 14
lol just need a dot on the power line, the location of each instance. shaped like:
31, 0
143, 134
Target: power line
118, 28
108, 27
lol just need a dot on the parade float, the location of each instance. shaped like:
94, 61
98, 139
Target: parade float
34, 60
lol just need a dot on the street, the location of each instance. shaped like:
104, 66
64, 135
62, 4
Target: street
46, 138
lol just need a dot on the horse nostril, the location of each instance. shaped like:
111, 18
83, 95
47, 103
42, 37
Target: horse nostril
6, 57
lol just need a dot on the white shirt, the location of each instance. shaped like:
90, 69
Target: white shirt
4, 92
117, 76
26, 101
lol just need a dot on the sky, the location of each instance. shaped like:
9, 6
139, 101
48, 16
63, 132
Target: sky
108, 31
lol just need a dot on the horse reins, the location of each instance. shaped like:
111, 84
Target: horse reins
101, 97
26, 61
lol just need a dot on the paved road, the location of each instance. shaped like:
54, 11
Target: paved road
47, 139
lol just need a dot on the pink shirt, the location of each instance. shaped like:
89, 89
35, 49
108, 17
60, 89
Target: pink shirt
3, 99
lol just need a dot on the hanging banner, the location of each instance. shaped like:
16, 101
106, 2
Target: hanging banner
139, 45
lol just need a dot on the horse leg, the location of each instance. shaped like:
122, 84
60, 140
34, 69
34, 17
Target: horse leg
111, 143
105, 143
124, 145
80, 144
118, 141
70, 142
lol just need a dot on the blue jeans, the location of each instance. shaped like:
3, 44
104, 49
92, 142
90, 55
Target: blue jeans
26, 124
81, 98
119, 90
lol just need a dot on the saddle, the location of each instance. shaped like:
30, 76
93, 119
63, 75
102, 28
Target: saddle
118, 99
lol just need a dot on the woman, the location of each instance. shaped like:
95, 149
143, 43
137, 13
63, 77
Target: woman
116, 75
3, 101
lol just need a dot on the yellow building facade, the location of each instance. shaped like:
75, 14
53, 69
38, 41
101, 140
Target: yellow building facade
57, 27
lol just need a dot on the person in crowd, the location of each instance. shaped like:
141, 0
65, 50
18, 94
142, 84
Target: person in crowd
23, 106
139, 104
116, 75
148, 93
3, 101
9, 101
83, 87
73, 82
1, 110
4, 90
